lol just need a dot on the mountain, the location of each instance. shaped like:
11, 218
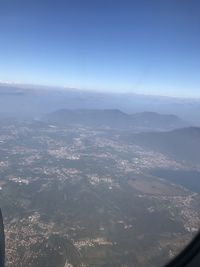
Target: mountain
91, 117
155, 120
114, 118
180, 144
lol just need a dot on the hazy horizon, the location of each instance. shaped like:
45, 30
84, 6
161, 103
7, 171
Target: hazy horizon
55, 87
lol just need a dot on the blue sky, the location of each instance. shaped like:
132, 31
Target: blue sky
150, 47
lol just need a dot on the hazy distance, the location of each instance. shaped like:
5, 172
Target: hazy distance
36, 101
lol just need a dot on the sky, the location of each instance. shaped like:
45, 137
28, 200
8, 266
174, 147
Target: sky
134, 46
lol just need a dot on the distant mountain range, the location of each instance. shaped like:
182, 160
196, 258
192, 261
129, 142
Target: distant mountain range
114, 118
35, 101
180, 144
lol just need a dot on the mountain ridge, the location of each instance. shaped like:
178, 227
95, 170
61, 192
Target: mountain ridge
115, 118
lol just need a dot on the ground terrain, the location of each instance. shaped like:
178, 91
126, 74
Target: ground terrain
82, 196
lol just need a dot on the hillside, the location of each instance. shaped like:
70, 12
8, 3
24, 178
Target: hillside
181, 144
156, 120
114, 118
